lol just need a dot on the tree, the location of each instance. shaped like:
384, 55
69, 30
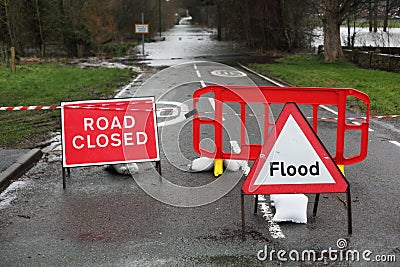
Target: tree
333, 13
391, 7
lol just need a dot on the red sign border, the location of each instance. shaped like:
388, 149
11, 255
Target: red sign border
152, 98
340, 184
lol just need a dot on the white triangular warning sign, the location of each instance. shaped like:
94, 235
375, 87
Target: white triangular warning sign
293, 160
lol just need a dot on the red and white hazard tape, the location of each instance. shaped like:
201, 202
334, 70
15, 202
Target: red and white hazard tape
310, 117
360, 118
29, 108
113, 106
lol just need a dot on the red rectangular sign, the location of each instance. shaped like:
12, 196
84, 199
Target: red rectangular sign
97, 132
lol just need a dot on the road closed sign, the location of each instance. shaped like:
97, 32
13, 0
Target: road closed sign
98, 132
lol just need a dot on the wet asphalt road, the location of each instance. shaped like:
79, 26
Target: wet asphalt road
107, 219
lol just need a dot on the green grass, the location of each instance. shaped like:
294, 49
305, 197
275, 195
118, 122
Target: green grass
382, 87
48, 84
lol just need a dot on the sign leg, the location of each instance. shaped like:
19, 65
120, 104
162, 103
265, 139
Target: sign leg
243, 222
349, 215
316, 205
66, 172
63, 176
158, 167
255, 203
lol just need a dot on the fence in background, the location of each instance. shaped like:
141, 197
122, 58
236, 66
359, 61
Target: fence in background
8, 57
374, 60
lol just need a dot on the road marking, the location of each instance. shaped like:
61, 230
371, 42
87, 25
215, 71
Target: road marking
178, 107
120, 93
202, 83
329, 109
357, 123
273, 228
262, 76
281, 85
395, 143
228, 73
10, 193
198, 73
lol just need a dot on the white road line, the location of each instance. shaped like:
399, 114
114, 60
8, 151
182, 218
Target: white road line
202, 83
395, 143
262, 76
357, 123
329, 109
281, 85
120, 93
198, 73
273, 228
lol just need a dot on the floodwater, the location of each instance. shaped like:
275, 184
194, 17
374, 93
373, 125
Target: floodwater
363, 37
185, 43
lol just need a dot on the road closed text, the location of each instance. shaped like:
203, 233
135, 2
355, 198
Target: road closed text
96, 132
103, 132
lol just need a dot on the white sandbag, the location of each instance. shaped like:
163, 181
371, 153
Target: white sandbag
290, 208
126, 168
233, 164
201, 164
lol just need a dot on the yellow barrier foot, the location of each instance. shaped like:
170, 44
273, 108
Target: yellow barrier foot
341, 168
218, 167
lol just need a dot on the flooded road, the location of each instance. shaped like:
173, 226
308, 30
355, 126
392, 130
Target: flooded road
186, 43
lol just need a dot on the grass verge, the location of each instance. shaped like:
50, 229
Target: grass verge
48, 84
382, 87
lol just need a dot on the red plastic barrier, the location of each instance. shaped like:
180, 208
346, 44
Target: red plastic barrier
269, 95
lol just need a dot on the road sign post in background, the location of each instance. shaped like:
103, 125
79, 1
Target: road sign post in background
142, 29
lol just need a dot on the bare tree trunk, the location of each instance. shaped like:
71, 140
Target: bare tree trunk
39, 19
386, 17
348, 32
11, 33
332, 45
376, 3
370, 15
